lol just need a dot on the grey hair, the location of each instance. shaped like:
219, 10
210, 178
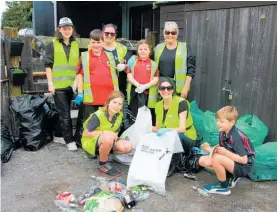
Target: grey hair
171, 25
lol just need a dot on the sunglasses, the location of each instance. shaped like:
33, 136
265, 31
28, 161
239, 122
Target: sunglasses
112, 34
163, 88
172, 33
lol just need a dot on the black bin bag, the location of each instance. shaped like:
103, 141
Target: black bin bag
7, 144
29, 112
50, 121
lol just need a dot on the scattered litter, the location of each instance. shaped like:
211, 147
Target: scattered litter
140, 193
118, 189
129, 200
68, 210
201, 191
100, 179
105, 195
137, 210
190, 176
98, 202
61, 203
66, 201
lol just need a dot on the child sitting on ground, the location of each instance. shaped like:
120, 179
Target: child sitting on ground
234, 156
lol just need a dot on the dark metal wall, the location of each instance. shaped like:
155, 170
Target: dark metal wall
232, 43
43, 18
89, 15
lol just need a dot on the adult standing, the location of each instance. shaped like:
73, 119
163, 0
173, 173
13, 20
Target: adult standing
174, 59
60, 62
96, 79
119, 51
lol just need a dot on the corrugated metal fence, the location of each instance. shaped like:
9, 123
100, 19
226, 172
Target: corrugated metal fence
234, 44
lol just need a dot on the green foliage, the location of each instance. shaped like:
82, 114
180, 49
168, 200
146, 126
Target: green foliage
18, 14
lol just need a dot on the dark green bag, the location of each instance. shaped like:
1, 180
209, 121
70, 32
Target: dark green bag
198, 118
253, 128
211, 133
265, 164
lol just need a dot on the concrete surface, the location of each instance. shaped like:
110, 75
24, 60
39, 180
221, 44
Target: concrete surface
31, 180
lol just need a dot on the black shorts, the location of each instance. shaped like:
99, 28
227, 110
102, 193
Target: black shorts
242, 170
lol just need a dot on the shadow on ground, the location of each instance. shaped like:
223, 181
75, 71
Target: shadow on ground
31, 180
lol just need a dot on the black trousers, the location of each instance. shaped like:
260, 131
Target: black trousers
62, 100
139, 100
122, 81
83, 114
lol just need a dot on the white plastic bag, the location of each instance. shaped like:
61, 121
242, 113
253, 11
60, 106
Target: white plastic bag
141, 127
151, 160
124, 159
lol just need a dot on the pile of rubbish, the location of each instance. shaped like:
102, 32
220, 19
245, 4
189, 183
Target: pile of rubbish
106, 195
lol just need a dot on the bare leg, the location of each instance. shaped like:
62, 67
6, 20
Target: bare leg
205, 161
105, 143
122, 147
220, 164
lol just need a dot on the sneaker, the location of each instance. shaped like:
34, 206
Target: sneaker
108, 170
215, 188
71, 146
59, 140
233, 181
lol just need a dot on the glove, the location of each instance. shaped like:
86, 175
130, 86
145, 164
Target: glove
162, 131
120, 67
139, 89
142, 88
79, 98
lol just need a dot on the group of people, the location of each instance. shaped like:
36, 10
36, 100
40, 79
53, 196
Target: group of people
107, 72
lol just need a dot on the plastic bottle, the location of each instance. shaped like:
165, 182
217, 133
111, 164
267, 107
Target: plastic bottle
62, 204
190, 176
99, 178
150, 188
137, 210
67, 210
201, 191
142, 196
117, 187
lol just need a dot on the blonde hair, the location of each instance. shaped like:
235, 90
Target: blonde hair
113, 95
171, 25
228, 112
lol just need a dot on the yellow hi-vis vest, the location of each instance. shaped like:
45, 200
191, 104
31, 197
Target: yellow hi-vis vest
180, 63
121, 51
88, 96
153, 91
172, 117
89, 143
64, 71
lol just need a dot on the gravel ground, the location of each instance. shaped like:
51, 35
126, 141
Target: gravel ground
31, 180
